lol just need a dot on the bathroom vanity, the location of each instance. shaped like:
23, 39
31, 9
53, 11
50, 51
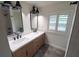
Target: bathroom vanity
28, 45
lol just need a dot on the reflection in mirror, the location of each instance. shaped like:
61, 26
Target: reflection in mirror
34, 21
16, 20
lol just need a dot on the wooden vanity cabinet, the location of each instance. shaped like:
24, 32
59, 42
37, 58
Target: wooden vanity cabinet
31, 48
20, 52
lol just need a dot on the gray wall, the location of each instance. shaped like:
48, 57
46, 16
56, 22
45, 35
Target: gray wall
4, 46
73, 50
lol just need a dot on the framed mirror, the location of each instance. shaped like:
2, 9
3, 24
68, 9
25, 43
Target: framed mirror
16, 19
34, 19
13, 15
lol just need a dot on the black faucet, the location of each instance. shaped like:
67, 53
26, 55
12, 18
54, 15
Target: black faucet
17, 35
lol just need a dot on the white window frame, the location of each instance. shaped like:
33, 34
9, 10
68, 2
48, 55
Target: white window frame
66, 24
49, 24
56, 30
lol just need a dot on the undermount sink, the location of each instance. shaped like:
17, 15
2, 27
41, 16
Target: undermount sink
19, 40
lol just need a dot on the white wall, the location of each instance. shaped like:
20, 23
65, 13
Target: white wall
26, 16
57, 39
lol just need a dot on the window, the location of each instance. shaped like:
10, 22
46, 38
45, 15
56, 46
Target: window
52, 22
58, 22
62, 22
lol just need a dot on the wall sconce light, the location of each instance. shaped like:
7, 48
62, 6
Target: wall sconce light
34, 10
8, 3
18, 5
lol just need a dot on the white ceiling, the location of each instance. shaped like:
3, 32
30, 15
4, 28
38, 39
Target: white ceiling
42, 3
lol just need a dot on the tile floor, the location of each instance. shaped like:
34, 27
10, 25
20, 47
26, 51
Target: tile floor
49, 51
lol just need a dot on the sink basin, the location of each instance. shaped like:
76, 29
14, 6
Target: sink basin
19, 40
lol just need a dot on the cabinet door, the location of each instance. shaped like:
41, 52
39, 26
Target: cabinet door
31, 49
20, 53
39, 42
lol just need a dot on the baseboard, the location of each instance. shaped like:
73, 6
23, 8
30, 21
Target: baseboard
63, 49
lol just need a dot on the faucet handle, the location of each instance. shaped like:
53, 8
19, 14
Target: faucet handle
20, 36
14, 38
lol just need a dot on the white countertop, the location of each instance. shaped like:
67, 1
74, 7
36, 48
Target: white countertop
15, 45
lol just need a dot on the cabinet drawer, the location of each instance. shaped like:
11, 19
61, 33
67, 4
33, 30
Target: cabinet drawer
31, 48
